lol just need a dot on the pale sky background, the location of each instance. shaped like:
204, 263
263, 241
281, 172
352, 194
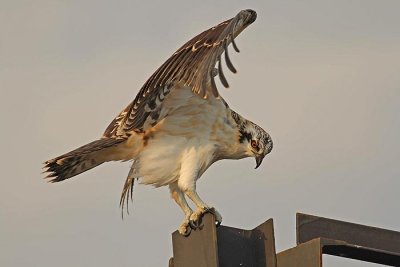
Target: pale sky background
321, 76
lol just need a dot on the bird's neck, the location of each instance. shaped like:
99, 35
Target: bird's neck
231, 145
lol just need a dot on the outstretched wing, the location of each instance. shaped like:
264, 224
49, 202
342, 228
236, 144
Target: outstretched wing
192, 65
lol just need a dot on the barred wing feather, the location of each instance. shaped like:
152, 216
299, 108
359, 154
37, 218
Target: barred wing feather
192, 65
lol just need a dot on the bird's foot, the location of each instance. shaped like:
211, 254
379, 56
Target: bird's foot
185, 229
195, 218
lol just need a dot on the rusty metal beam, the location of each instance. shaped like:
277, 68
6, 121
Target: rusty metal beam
350, 240
225, 246
199, 248
308, 254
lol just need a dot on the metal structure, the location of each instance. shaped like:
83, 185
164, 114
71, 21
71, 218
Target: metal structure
223, 246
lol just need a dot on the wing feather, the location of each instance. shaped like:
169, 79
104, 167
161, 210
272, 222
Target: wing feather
192, 65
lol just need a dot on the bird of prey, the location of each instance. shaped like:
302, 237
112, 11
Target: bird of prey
177, 126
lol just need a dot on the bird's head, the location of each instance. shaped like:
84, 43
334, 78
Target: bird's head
257, 141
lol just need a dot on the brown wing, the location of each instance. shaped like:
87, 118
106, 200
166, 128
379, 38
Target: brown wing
192, 65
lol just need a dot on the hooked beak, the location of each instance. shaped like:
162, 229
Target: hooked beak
259, 159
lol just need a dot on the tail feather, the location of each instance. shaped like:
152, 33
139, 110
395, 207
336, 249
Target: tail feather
127, 191
79, 160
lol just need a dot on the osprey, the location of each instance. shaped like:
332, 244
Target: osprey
177, 126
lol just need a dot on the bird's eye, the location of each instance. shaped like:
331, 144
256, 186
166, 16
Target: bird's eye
254, 144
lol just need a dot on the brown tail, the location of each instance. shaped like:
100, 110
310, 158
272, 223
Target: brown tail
80, 160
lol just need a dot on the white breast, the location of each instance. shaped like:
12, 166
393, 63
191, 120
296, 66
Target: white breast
190, 123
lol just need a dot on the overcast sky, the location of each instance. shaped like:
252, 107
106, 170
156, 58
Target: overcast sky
321, 76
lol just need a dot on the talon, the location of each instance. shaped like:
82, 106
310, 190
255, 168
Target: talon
187, 232
184, 229
194, 224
